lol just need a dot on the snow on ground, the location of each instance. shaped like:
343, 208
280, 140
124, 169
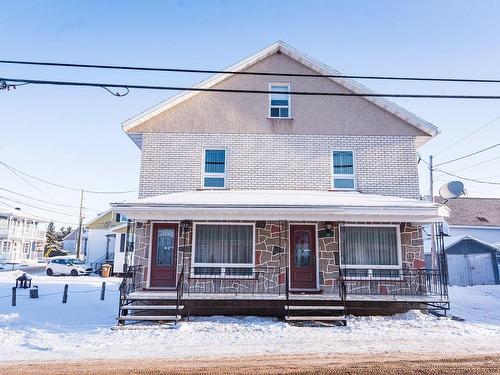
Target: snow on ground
46, 329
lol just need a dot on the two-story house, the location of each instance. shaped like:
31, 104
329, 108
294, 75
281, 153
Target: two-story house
276, 203
22, 237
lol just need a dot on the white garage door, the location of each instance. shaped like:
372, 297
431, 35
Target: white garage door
471, 269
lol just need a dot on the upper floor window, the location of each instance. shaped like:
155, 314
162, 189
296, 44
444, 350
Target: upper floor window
214, 176
279, 103
343, 170
121, 218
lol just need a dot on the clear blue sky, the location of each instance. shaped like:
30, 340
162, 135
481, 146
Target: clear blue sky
73, 136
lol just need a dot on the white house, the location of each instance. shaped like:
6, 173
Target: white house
22, 236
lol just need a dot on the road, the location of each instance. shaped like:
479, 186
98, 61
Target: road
311, 364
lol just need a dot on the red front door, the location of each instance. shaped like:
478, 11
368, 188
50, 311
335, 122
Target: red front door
303, 257
164, 256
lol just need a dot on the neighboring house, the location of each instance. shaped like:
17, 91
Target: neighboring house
22, 236
101, 238
69, 242
472, 262
475, 217
279, 204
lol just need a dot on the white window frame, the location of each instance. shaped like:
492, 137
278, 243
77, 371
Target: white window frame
371, 267
222, 266
289, 106
343, 176
211, 174
23, 247
3, 248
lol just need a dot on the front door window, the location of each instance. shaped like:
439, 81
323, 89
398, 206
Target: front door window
302, 248
165, 247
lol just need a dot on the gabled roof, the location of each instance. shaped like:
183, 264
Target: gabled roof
315, 65
455, 240
477, 212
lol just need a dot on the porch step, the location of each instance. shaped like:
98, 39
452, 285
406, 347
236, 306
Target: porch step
166, 318
151, 307
340, 318
309, 307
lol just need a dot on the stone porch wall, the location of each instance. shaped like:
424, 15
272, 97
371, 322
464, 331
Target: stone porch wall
272, 251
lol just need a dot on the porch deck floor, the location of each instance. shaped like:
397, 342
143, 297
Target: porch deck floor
160, 295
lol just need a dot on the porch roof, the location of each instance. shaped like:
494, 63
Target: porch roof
281, 205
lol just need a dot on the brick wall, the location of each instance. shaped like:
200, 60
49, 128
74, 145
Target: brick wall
385, 165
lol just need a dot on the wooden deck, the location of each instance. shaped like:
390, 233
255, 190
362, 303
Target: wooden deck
170, 295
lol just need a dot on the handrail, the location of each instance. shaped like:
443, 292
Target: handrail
342, 289
180, 291
287, 291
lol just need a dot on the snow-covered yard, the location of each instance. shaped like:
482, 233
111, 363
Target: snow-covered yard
46, 329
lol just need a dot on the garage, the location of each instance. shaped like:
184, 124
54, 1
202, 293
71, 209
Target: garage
472, 262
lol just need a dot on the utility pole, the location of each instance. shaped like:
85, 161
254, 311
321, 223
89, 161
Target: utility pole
80, 229
433, 225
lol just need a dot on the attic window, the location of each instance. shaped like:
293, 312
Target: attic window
279, 103
482, 219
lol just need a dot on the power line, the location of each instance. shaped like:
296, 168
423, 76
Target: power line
38, 207
243, 91
212, 71
468, 179
14, 171
469, 135
36, 199
468, 155
38, 217
475, 165
63, 186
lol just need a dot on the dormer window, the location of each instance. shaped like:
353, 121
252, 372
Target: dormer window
214, 172
279, 103
343, 170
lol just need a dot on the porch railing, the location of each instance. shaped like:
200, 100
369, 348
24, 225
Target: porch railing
399, 282
257, 280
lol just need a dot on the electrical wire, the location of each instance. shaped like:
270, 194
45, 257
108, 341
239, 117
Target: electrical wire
468, 155
63, 186
212, 71
39, 200
468, 135
475, 165
39, 217
245, 91
468, 179
40, 208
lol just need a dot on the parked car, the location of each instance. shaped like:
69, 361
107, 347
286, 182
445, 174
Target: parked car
67, 266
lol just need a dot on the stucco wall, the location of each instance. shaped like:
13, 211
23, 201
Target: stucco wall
385, 165
210, 112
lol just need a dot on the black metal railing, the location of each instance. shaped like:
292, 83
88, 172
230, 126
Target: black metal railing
180, 290
342, 289
256, 280
399, 282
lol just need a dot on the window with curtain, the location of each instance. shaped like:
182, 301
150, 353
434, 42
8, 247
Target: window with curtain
223, 248
215, 169
343, 170
279, 102
365, 247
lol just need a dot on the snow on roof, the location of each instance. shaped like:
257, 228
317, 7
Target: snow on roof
282, 205
275, 198
282, 47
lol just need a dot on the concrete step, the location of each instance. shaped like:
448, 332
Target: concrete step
309, 307
151, 307
170, 318
315, 318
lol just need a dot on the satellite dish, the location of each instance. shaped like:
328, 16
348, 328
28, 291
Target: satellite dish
451, 190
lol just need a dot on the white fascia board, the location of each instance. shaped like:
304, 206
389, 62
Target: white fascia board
304, 59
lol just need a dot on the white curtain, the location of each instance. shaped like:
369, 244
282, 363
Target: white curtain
226, 244
375, 246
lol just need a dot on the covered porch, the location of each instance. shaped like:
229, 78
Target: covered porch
281, 246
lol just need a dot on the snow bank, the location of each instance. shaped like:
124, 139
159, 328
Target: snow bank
46, 329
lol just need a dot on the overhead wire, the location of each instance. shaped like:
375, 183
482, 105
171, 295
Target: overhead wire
468, 155
64, 186
256, 73
247, 91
